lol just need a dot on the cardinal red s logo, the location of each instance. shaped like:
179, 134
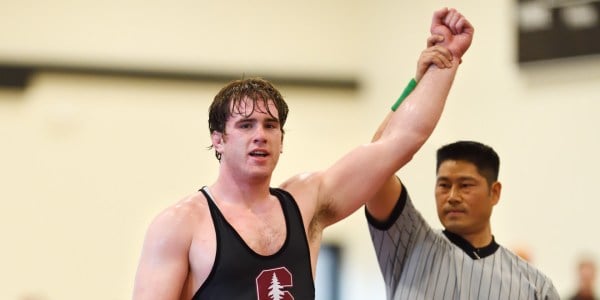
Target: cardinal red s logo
271, 284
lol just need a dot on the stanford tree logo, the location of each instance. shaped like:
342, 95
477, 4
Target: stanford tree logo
271, 284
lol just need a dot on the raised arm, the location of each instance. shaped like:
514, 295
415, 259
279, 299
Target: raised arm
455, 28
433, 55
362, 173
381, 205
451, 32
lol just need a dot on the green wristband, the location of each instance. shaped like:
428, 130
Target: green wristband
407, 90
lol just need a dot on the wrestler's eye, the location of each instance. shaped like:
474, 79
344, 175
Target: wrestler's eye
245, 125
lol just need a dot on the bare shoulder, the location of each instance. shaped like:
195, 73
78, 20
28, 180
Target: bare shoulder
163, 270
304, 187
303, 181
176, 224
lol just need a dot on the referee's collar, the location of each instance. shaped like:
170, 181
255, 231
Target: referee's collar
474, 253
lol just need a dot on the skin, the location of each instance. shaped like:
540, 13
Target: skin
179, 249
464, 201
451, 31
586, 273
464, 198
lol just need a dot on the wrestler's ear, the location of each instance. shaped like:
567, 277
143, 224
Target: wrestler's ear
218, 140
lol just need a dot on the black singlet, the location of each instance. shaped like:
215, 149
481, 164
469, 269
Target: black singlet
240, 273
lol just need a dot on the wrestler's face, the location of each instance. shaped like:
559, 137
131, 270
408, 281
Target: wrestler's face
252, 141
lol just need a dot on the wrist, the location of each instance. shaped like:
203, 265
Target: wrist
458, 59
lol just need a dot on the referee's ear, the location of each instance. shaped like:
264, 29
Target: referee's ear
495, 191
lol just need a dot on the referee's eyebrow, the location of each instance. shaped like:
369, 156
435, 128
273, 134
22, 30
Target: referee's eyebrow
460, 178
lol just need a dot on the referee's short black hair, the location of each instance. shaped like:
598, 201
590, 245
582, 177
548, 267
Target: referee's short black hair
482, 156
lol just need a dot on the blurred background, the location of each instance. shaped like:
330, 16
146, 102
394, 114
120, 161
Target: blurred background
103, 123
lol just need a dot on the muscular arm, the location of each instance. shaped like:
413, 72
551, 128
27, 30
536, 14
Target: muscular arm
381, 205
361, 174
448, 28
406, 118
163, 265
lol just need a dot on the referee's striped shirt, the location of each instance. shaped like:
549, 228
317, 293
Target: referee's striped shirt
418, 262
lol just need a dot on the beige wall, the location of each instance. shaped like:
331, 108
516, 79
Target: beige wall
86, 162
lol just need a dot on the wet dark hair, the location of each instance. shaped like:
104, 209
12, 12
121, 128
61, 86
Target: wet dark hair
229, 101
482, 156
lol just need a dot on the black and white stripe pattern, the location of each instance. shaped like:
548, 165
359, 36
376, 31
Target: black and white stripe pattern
420, 263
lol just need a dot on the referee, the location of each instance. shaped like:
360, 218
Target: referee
463, 261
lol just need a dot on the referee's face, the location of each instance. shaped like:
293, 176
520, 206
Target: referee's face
465, 200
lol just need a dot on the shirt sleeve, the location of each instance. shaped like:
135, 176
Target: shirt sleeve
394, 238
